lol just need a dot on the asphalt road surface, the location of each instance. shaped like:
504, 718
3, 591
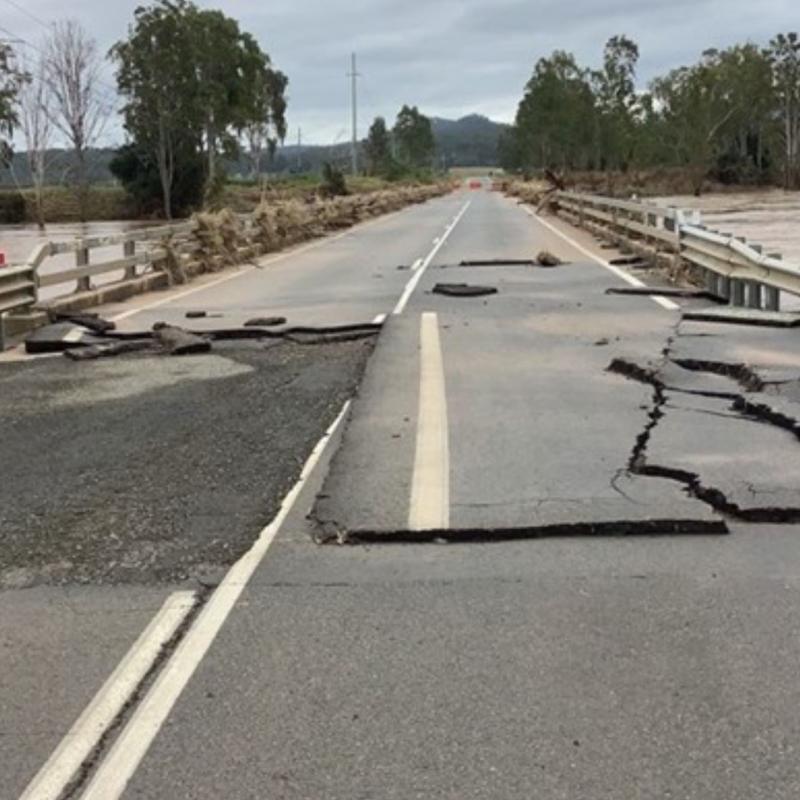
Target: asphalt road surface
548, 550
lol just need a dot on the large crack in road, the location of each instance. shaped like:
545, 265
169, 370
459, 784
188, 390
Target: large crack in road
743, 408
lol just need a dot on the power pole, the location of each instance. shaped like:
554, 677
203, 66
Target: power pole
353, 75
299, 146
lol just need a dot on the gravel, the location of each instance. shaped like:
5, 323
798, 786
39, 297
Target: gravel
150, 470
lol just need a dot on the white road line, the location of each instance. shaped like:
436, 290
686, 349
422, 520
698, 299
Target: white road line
416, 265
247, 270
111, 778
88, 729
412, 284
430, 487
620, 273
380, 319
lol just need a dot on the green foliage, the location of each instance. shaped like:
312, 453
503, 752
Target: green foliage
12, 208
734, 115
378, 148
11, 80
413, 138
333, 183
138, 173
193, 83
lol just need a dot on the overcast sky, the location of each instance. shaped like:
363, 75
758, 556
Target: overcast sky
450, 57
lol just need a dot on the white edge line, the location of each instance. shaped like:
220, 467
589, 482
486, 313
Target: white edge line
380, 319
111, 778
101, 712
416, 265
264, 262
412, 284
627, 277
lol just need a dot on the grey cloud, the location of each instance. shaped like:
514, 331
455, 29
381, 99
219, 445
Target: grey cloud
450, 57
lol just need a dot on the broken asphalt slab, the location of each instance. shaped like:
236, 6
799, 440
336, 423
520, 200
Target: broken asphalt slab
540, 434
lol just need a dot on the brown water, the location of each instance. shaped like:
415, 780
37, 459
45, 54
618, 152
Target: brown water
769, 217
19, 241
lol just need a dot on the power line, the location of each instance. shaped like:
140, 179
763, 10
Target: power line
23, 10
109, 89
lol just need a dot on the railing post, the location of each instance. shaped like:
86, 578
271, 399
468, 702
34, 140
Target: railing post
754, 287
724, 287
772, 296
82, 260
737, 292
2, 332
128, 250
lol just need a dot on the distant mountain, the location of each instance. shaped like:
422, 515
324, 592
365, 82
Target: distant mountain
467, 142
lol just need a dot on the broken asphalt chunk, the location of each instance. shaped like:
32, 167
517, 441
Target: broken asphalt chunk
265, 322
666, 291
463, 290
92, 322
178, 342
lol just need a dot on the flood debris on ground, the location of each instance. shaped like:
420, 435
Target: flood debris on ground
548, 259
666, 291
463, 290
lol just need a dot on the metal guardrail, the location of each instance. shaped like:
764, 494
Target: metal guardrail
732, 268
17, 290
659, 223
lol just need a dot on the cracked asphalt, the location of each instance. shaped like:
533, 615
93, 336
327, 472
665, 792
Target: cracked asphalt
505, 656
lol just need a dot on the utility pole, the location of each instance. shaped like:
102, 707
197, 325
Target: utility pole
353, 75
299, 145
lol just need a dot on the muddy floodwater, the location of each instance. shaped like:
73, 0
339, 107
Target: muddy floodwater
19, 241
770, 218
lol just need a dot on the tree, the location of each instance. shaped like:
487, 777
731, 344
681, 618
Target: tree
194, 83
35, 124
267, 126
155, 76
555, 118
413, 136
696, 104
72, 67
784, 57
378, 148
11, 81
615, 90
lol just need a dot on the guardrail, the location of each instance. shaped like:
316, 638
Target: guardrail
730, 267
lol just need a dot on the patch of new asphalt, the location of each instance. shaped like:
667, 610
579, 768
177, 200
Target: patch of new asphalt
157, 470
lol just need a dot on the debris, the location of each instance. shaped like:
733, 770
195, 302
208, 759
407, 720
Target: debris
265, 322
108, 349
499, 262
92, 322
665, 291
59, 337
601, 343
463, 290
547, 259
744, 316
628, 261
202, 315
179, 342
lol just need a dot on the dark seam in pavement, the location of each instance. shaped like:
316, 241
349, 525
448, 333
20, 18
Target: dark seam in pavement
87, 768
746, 377
651, 527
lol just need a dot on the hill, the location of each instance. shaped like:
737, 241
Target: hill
467, 142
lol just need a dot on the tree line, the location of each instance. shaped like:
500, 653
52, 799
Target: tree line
407, 148
195, 89
734, 115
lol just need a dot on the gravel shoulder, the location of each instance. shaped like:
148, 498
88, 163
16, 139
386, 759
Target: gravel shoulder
157, 470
